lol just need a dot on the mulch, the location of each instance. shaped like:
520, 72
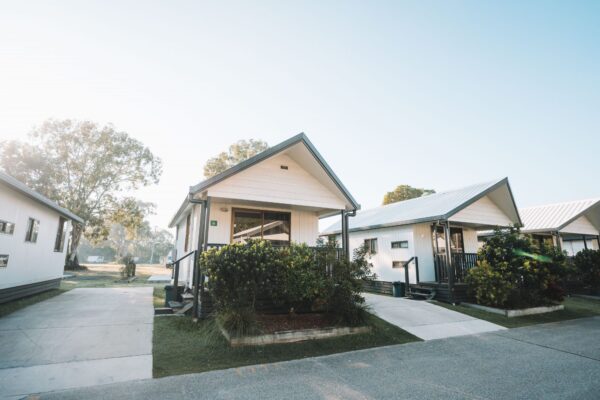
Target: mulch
271, 323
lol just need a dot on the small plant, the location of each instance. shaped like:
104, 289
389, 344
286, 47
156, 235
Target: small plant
238, 321
128, 269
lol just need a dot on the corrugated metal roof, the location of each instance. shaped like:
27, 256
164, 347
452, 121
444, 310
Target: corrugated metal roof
20, 187
433, 207
553, 217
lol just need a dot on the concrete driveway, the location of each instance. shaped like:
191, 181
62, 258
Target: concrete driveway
552, 361
425, 320
83, 337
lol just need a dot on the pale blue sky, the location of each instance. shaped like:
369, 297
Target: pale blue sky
439, 94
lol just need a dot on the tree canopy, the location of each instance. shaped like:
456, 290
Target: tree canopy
85, 168
238, 152
405, 192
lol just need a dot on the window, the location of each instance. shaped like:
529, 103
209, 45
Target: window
402, 244
6, 227
186, 244
3, 260
371, 245
59, 243
257, 224
397, 264
456, 240
32, 230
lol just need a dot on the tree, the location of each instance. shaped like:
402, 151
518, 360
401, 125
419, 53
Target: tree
84, 167
405, 192
238, 152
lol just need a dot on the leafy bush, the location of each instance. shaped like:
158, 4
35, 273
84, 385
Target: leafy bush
587, 266
514, 271
297, 277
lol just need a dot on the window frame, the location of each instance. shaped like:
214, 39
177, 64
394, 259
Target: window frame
262, 216
61, 234
370, 248
399, 242
4, 256
4, 224
33, 228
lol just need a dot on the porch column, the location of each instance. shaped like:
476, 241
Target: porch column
199, 247
584, 243
450, 267
345, 249
558, 244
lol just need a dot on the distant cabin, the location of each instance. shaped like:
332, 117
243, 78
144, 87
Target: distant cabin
431, 239
278, 195
33, 240
572, 226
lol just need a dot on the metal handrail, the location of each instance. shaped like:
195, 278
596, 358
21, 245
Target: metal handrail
187, 255
406, 275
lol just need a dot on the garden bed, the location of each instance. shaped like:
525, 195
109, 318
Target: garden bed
278, 329
517, 313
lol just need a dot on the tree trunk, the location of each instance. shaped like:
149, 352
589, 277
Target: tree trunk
76, 233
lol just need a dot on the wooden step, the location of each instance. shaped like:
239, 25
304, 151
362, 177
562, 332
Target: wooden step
185, 308
175, 304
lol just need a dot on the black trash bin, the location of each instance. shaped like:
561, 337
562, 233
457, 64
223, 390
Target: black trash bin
398, 289
170, 294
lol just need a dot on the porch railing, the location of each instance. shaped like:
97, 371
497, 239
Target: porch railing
461, 264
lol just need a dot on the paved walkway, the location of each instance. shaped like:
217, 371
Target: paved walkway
553, 361
425, 320
83, 337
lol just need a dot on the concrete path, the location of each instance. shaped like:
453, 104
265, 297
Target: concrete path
425, 320
159, 278
553, 361
83, 337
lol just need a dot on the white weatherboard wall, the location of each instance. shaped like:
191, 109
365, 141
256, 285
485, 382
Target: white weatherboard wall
383, 260
304, 223
268, 182
581, 225
29, 262
484, 211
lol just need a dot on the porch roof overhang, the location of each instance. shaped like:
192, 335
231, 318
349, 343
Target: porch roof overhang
427, 209
199, 190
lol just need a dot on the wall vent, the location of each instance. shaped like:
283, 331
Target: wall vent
283, 166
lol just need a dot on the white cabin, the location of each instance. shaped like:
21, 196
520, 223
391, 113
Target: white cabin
33, 236
412, 234
278, 195
572, 226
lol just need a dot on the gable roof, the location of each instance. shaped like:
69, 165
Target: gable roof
554, 217
433, 207
271, 151
32, 194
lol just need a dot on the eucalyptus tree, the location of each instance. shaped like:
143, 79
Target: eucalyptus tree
86, 168
238, 152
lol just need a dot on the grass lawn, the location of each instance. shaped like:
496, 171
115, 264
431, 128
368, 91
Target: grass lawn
575, 307
181, 346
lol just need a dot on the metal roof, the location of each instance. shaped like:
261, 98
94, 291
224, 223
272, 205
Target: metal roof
271, 151
438, 206
21, 188
554, 217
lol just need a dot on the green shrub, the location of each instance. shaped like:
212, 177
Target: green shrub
587, 266
297, 277
514, 271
